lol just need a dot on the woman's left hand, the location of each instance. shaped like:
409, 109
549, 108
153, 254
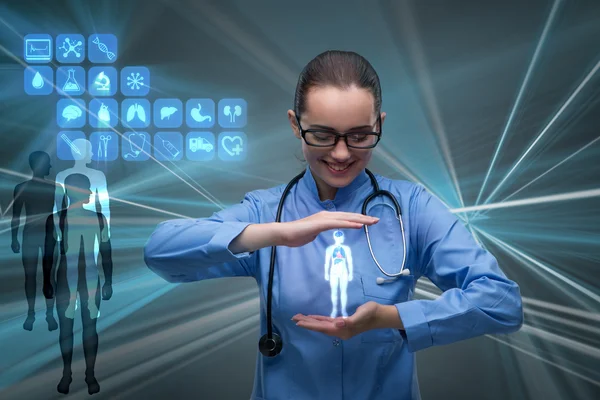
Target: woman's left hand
362, 320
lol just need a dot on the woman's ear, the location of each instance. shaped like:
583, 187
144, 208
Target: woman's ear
294, 124
382, 118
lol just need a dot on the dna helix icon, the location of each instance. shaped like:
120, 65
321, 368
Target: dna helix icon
103, 48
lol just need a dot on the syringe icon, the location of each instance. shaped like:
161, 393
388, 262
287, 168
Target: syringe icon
71, 145
169, 146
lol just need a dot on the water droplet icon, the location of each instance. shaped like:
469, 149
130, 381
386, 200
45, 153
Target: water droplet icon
38, 81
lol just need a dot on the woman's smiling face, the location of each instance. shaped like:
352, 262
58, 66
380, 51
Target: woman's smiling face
337, 110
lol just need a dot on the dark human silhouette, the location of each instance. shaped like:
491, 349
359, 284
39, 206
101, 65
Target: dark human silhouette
36, 198
77, 273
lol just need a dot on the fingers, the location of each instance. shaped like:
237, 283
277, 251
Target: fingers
352, 217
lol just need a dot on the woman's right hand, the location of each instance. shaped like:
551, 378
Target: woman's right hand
302, 231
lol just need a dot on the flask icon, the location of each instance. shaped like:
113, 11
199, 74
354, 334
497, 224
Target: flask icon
71, 84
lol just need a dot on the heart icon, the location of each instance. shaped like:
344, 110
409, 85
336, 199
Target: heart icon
235, 151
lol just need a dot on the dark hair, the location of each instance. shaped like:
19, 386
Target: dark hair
341, 69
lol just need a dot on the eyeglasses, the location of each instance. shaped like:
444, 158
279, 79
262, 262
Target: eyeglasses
326, 138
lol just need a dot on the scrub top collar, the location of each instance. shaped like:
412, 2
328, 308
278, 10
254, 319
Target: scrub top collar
342, 195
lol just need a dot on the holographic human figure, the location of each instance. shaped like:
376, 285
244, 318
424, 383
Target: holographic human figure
338, 271
79, 229
35, 198
83, 156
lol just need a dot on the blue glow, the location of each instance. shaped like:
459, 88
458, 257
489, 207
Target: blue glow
200, 113
38, 80
232, 146
102, 81
102, 48
136, 113
338, 272
37, 48
70, 81
200, 146
168, 146
135, 81
105, 146
168, 113
232, 113
70, 48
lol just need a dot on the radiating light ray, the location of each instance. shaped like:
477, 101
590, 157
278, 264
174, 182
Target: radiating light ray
116, 199
25, 367
210, 344
530, 330
532, 64
563, 321
202, 191
549, 270
531, 354
227, 32
421, 68
551, 169
546, 128
583, 194
527, 301
393, 161
562, 341
567, 310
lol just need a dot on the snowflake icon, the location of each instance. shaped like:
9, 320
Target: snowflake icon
135, 81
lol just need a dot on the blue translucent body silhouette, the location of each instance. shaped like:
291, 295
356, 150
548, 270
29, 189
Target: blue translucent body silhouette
338, 271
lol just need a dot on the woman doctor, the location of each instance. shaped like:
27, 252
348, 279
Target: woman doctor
344, 334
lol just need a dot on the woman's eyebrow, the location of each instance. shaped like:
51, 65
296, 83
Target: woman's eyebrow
316, 126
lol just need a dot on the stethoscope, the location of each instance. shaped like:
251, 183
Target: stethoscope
270, 344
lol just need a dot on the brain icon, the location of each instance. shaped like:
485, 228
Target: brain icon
71, 112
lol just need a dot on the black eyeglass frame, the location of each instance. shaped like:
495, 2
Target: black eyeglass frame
339, 135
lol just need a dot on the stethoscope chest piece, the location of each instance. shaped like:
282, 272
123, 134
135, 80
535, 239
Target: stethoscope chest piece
270, 347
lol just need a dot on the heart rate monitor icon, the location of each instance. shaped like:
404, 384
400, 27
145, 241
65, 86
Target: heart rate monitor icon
233, 151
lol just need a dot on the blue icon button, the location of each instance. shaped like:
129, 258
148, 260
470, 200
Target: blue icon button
200, 146
38, 48
135, 113
232, 146
200, 113
102, 81
70, 113
38, 80
102, 48
70, 81
232, 113
168, 113
135, 81
135, 146
70, 48
104, 113
68, 147
168, 146
105, 146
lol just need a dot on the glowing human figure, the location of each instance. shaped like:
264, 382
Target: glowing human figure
82, 228
338, 271
82, 154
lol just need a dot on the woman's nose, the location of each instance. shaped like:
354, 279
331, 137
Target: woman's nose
340, 151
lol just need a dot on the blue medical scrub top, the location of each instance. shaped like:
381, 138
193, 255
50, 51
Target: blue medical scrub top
477, 297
